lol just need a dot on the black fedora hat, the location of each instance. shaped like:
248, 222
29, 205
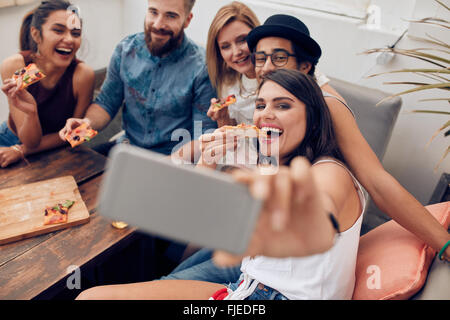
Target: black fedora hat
288, 27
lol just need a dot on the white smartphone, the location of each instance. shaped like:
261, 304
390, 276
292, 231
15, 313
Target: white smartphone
188, 204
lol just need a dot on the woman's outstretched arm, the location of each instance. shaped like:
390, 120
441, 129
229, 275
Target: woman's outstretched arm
385, 190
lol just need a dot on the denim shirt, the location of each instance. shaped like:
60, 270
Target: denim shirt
159, 95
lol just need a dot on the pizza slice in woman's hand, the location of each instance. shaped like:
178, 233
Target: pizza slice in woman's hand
80, 134
228, 101
27, 76
246, 130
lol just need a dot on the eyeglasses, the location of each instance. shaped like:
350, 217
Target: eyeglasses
279, 58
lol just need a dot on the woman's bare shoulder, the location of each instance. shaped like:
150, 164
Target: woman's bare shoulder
83, 78
83, 73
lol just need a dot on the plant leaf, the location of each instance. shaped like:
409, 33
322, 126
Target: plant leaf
446, 71
442, 5
437, 99
445, 126
443, 85
422, 85
432, 49
423, 55
413, 54
420, 88
431, 21
428, 19
433, 41
442, 159
433, 76
429, 111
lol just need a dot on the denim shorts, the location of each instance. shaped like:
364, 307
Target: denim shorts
7, 137
200, 266
262, 292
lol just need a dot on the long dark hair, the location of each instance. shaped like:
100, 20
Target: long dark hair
320, 139
36, 18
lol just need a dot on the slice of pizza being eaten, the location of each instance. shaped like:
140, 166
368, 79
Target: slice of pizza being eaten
27, 76
228, 101
246, 130
58, 213
80, 134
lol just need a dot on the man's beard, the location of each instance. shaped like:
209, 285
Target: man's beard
158, 50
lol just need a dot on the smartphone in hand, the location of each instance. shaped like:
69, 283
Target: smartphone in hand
181, 202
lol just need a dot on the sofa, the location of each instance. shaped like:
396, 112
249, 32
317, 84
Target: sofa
376, 124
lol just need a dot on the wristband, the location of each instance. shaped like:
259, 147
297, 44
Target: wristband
18, 149
441, 253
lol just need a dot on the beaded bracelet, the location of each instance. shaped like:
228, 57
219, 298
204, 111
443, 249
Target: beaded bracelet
441, 253
19, 149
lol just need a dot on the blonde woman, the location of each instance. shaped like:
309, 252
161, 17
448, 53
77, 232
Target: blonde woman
230, 68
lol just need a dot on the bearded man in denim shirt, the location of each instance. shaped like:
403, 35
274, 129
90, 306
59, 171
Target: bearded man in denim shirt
160, 77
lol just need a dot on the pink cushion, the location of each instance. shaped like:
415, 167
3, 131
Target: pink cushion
393, 263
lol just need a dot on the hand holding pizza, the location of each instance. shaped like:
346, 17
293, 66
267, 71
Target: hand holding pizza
19, 98
219, 114
214, 146
71, 124
218, 111
292, 222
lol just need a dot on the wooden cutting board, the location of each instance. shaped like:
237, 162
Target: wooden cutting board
22, 208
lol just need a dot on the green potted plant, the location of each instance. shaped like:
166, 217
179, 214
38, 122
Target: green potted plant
435, 77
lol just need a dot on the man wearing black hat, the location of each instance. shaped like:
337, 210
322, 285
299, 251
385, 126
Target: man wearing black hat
287, 29
287, 41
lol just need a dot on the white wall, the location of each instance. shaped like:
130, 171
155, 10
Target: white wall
407, 157
134, 12
342, 39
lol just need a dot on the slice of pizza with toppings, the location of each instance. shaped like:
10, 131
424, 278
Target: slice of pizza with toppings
27, 76
80, 134
228, 101
58, 213
245, 129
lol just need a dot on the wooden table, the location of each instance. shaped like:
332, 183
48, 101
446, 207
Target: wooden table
37, 267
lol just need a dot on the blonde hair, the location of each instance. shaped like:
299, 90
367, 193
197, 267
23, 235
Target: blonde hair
219, 73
